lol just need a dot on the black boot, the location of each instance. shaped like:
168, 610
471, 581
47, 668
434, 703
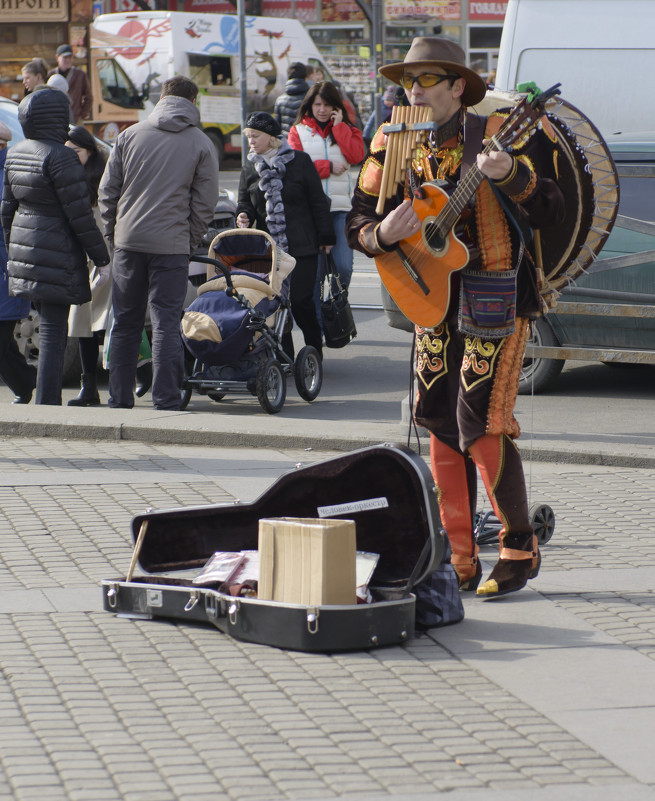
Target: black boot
88, 394
143, 379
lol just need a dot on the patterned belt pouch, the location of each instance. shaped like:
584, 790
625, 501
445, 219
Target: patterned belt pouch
487, 305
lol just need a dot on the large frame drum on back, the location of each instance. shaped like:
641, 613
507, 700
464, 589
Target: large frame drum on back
590, 184
234, 328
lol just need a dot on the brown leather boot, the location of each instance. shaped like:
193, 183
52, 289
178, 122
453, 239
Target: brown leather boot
455, 477
499, 463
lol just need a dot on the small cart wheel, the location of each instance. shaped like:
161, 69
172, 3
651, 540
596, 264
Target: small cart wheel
271, 386
216, 396
308, 373
185, 395
542, 520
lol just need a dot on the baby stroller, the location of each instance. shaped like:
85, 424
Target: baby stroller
234, 328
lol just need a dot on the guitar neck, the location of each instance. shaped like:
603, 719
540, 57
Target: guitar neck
459, 200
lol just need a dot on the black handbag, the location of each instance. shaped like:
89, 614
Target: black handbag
338, 323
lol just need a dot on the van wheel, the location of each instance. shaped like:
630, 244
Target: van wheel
538, 375
217, 140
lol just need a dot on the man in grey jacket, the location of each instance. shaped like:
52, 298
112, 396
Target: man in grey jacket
157, 199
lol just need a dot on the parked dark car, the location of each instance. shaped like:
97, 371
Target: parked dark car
618, 289
608, 315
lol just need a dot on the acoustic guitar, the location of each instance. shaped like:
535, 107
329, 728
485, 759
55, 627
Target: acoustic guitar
417, 271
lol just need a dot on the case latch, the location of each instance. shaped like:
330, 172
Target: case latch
194, 597
232, 613
112, 596
312, 620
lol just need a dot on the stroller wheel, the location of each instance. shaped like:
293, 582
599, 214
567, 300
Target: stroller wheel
271, 386
216, 396
186, 393
308, 373
542, 519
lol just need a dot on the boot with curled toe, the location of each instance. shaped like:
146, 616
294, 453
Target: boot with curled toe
519, 560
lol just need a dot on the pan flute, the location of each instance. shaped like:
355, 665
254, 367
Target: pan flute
408, 127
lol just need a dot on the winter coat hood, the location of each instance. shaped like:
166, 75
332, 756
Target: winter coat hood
45, 115
296, 86
174, 114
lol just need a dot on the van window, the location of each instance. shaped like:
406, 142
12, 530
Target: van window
210, 70
115, 85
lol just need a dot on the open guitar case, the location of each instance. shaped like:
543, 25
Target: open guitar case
387, 490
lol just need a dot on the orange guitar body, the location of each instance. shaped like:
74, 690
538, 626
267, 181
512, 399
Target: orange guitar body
425, 302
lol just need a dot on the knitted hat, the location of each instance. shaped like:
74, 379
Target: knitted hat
58, 81
261, 121
65, 50
5, 133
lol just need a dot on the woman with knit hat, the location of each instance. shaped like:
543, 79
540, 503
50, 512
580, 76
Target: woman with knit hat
280, 192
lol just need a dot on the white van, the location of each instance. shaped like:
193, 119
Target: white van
133, 53
601, 51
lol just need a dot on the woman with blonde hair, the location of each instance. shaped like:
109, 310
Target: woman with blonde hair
280, 192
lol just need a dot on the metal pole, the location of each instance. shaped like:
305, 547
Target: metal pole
376, 47
241, 11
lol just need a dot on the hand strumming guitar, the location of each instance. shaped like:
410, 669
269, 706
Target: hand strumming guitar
399, 224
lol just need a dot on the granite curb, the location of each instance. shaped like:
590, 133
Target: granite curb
223, 431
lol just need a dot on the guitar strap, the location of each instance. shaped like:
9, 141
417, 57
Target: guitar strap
474, 128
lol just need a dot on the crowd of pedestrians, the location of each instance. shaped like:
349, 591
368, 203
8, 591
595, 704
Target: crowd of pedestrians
109, 241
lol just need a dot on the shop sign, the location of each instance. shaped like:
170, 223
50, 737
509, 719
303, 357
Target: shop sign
426, 9
341, 11
34, 10
481, 9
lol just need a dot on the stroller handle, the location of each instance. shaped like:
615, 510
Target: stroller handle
221, 267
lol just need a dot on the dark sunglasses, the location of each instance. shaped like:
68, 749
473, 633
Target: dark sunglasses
425, 80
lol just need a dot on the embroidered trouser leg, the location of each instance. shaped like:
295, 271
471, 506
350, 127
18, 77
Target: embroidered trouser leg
467, 390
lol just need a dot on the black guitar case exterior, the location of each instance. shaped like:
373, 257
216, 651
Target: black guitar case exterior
387, 490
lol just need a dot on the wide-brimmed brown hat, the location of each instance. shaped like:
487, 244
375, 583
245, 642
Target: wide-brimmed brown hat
431, 51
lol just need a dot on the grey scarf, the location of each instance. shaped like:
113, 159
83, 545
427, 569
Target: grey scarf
271, 176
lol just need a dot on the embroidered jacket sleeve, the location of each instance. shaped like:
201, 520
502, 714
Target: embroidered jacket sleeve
532, 181
362, 221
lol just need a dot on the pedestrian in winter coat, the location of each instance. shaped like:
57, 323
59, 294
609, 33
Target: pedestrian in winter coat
49, 229
79, 87
280, 192
89, 321
288, 103
157, 199
324, 131
14, 370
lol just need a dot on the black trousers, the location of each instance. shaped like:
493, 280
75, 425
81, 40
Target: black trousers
303, 308
14, 370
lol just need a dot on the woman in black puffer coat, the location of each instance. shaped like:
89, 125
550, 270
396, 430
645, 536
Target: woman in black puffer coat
49, 229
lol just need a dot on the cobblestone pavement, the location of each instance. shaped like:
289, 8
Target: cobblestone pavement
94, 706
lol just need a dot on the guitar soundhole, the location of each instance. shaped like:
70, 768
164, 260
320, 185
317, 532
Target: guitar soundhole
435, 242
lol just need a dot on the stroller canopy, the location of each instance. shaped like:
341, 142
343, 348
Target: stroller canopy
251, 251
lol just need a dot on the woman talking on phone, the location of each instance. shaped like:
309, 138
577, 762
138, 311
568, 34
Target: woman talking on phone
323, 130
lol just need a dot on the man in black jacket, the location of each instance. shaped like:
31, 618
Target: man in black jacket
288, 103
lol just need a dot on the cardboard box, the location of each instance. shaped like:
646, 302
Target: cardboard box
307, 561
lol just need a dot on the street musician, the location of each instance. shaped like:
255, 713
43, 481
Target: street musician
471, 289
